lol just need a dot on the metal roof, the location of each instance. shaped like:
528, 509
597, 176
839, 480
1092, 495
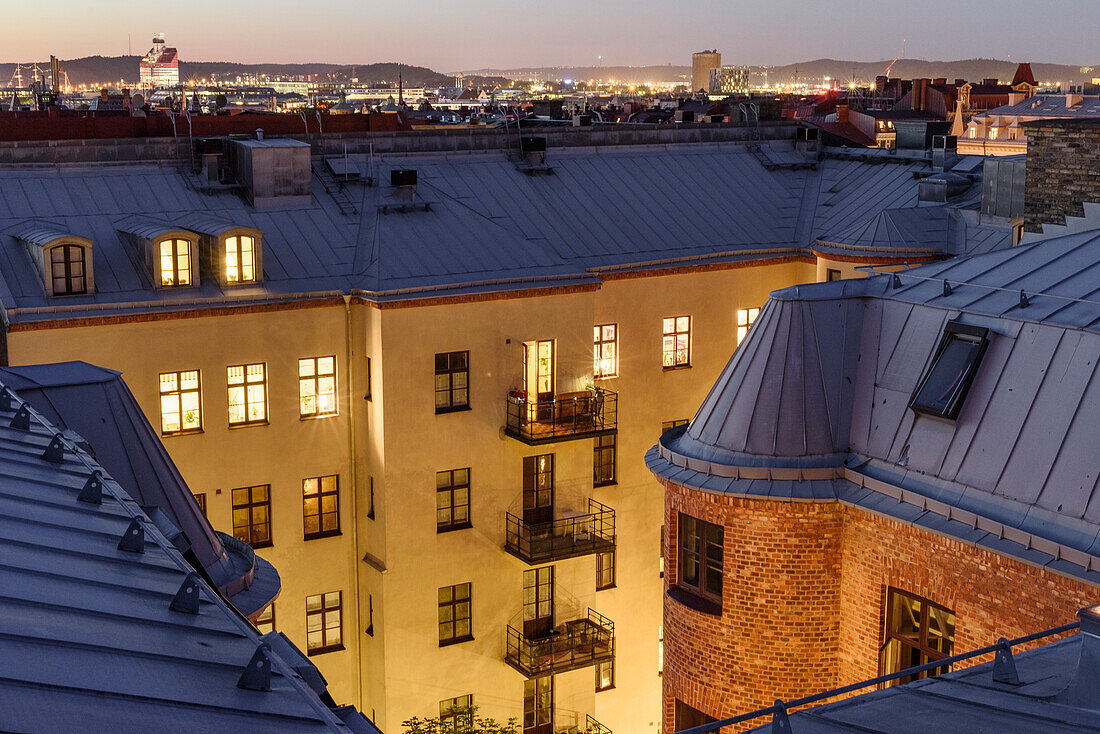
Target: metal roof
820, 390
98, 633
490, 226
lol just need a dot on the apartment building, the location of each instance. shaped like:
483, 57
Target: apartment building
422, 385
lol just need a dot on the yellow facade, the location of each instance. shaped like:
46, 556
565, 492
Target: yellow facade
387, 436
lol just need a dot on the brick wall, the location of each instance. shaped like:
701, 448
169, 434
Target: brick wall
1063, 170
803, 592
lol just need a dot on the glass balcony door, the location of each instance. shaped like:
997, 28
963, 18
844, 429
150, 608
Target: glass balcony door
538, 602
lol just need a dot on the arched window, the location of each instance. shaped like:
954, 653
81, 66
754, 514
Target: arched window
68, 271
240, 259
175, 263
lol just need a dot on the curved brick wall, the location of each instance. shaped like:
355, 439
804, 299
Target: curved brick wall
803, 596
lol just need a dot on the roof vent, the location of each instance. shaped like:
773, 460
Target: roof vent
273, 172
403, 178
403, 197
533, 150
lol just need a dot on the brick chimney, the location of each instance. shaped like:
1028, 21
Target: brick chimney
842, 113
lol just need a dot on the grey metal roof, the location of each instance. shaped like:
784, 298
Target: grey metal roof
87, 636
969, 700
490, 227
1049, 106
820, 390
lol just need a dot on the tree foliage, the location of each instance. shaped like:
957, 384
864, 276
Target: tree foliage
468, 723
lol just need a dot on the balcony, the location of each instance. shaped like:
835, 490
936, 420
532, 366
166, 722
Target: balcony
591, 726
568, 416
575, 644
565, 537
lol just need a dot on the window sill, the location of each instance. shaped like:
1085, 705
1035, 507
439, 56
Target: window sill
605, 377
456, 641
325, 534
188, 432
611, 483
316, 416
323, 650
607, 688
440, 529
249, 424
456, 409
693, 600
258, 546
674, 367
605, 588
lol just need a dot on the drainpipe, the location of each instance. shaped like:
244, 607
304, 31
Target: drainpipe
357, 559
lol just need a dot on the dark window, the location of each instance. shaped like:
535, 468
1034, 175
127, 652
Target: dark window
452, 381
687, 717
672, 424
456, 714
603, 461
200, 498
917, 632
831, 274
67, 270
538, 705
324, 623
266, 621
252, 515
452, 500
370, 393
370, 615
321, 506
454, 614
676, 342
605, 570
538, 489
943, 388
701, 556
605, 675
370, 509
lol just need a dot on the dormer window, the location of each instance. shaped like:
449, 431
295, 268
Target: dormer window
945, 385
68, 271
175, 263
240, 259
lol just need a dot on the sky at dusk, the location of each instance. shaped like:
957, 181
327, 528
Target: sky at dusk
453, 35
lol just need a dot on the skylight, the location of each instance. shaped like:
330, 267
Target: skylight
944, 387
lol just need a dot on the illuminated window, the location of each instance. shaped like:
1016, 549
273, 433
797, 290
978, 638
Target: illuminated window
605, 570
605, 675
917, 632
452, 500
240, 259
661, 649
321, 506
944, 387
266, 621
676, 343
247, 394
603, 461
180, 402
252, 515
993, 133
317, 386
200, 500
67, 269
745, 317
454, 614
324, 623
175, 263
452, 381
605, 348
700, 556
972, 132
456, 714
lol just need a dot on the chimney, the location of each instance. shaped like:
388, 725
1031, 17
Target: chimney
534, 149
940, 81
1086, 680
1016, 97
1073, 99
103, 95
960, 82
842, 113
990, 82
923, 94
403, 182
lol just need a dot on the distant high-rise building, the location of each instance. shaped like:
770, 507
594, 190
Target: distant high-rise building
160, 68
729, 80
701, 64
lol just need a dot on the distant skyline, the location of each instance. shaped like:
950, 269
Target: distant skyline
457, 36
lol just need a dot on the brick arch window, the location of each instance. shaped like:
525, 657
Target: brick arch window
68, 269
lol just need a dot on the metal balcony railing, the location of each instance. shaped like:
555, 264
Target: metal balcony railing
566, 537
568, 416
575, 644
591, 726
